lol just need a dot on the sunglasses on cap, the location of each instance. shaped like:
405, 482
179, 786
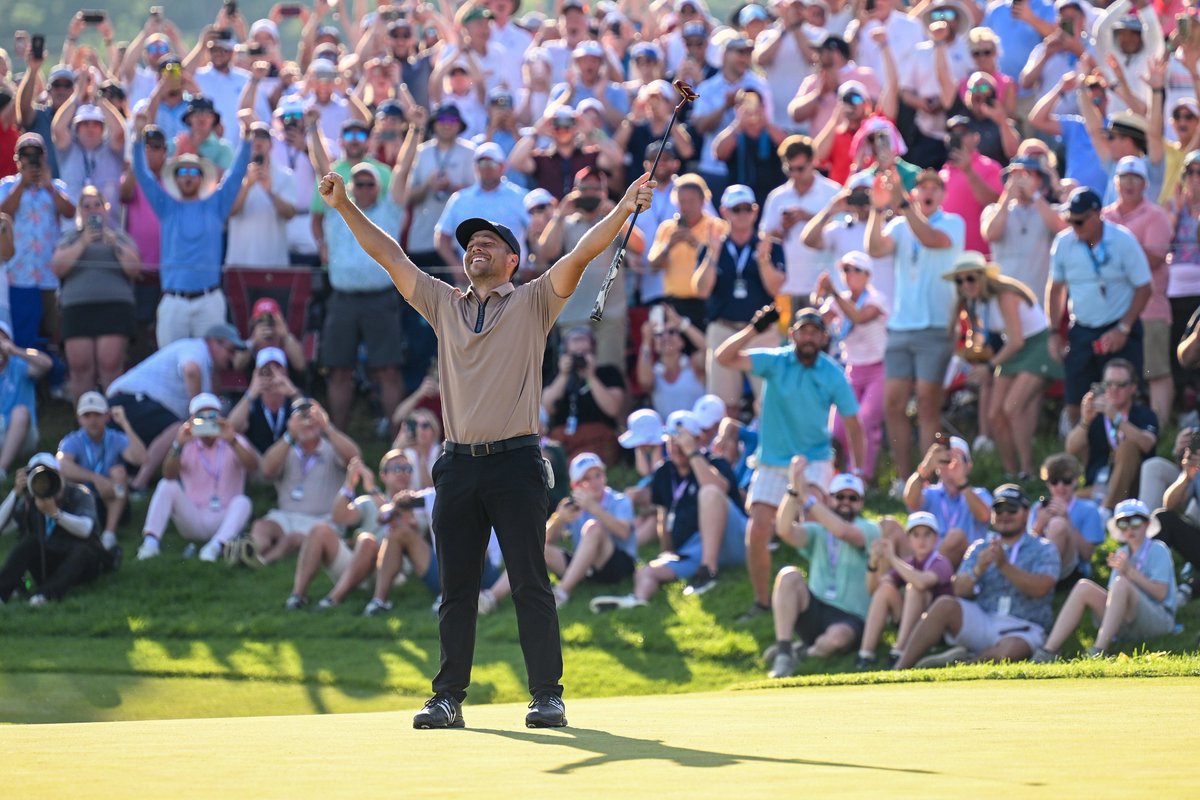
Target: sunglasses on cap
355, 136
399, 469
188, 172
1130, 522
959, 280
847, 497
741, 208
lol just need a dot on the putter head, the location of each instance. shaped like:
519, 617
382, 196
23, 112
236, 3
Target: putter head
686, 92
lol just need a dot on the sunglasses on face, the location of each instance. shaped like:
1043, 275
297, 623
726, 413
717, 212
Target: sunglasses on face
943, 15
1130, 522
798, 168
846, 497
983, 53
959, 280
502, 102
155, 144
187, 172
1075, 222
31, 154
853, 99
1191, 171
355, 136
157, 49
693, 42
62, 85
448, 119
563, 124
1006, 508
1117, 384
1060, 481
291, 119
364, 184
1184, 115
742, 208
399, 469
401, 34
850, 269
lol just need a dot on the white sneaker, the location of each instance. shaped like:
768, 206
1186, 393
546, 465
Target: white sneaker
982, 444
149, 548
487, 602
108, 539
38, 600
561, 598
945, 658
614, 602
211, 551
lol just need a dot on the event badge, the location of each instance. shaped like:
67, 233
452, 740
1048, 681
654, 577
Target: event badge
1004, 605
670, 521
298, 493
214, 503
571, 426
739, 290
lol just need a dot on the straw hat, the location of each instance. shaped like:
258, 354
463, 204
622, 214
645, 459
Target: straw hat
208, 174
970, 261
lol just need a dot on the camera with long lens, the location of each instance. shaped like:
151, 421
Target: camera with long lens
44, 482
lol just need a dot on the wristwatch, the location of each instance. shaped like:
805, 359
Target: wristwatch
1124, 328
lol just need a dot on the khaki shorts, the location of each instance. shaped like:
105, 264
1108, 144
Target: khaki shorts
1156, 349
295, 522
1150, 621
769, 484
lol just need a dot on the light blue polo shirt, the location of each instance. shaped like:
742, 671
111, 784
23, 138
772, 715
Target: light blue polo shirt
1156, 173
1153, 559
923, 300
504, 204
1083, 162
1117, 262
1019, 37
619, 506
795, 405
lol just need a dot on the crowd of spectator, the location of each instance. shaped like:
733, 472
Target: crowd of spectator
870, 212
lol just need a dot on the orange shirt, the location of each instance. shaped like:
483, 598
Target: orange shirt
682, 257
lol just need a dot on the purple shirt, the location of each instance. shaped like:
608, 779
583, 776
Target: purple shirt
936, 563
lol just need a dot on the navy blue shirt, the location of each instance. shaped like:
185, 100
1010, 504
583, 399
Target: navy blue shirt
1100, 447
721, 303
680, 496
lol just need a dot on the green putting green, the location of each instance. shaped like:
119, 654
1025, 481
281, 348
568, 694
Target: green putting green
1049, 738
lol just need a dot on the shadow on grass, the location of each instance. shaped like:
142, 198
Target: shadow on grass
613, 748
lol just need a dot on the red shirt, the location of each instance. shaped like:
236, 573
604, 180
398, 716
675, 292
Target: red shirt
840, 160
8, 148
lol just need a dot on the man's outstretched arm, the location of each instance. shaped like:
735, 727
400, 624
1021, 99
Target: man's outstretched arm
378, 244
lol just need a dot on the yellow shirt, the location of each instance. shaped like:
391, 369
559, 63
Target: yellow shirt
682, 257
1173, 169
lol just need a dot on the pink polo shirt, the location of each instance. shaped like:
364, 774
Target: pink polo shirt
212, 471
962, 201
1150, 224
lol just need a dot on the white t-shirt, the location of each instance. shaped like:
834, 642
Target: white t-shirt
225, 90
921, 77
804, 263
257, 234
333, 114
160, 377
860, 344
846, 234
302, 180
788, 70
457, 163
903, 34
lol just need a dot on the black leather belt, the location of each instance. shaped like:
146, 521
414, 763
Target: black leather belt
192, 295
491, 448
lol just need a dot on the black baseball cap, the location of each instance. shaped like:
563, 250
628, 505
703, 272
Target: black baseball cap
1009, 493
809, 316
1084, 200
470, 227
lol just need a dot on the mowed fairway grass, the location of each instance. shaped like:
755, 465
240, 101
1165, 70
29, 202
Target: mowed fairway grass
1062, 738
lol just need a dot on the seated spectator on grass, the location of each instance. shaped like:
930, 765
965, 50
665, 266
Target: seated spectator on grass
674, 379
59, 544
904, 592
350, 564
826, 608
1158, 473
962, 511
20, 368
420, 438
96, 266
308, 466
1176, 523
203, 490
1004, 595
155, 393
268, 328
1072, 523
98, 456
584, 399
1139, 603
599, 523
262, 412
644, 436
1114, 435
701, 526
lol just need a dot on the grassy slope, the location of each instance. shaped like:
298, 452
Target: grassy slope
980, 740
180, 623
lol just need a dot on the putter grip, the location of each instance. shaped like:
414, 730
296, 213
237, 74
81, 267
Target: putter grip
602, 296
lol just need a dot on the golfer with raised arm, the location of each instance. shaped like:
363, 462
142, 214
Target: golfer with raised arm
490, 344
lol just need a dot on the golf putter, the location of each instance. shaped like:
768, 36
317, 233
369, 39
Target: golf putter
687, 95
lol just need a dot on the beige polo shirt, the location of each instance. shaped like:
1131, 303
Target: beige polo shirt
489, 355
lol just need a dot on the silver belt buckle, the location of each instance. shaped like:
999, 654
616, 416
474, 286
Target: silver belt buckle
478, 450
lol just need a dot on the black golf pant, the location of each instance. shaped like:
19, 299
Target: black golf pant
1180, 534
506, 491
55, 567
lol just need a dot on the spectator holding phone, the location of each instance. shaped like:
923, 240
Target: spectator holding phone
96, 266
262, 412
420, 439
1072, 523
89, 138
203, 490
1139, 603
268, 328
260, 213
962, 510
1114, 436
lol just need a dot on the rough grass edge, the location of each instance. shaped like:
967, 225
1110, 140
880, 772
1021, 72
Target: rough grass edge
1137, 665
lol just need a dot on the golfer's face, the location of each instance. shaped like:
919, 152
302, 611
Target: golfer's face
486, 255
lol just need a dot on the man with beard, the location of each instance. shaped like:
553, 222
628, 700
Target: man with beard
801, 384
1004, 594
828, 607
491, 473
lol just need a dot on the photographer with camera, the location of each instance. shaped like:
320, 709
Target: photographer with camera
1176, 524
585, 399
203, 490
262, 412
59, 545
20, 368
37, 205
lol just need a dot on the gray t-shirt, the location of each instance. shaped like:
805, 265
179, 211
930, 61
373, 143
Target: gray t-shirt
309, 482
97, 277
578, 310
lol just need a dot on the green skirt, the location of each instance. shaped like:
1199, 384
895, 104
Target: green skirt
1034, 357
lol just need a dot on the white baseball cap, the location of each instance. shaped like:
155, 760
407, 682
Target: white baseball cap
538, 197
683, 419
581, 463
588, 47
960, 444
88, 113
91, 402
737, 194
919, 518
710, 410
644, 427
43, 460
1132, 165
589, 104
489, 150
204, 401
843, 481
270, 355
858, 259
1124, 510
860, 180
